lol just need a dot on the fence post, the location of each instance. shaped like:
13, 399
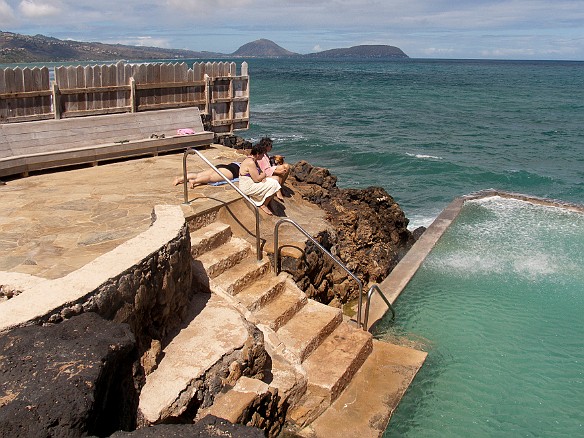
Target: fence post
133, 105
56, 101
208, 95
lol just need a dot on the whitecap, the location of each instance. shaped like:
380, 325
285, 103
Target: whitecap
424, 156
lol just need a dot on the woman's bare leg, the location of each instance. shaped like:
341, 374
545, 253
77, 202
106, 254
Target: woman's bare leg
283, 171
179, 179
264, 207
279, 192
204, 177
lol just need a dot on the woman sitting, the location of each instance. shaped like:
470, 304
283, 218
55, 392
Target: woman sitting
231, 171
277, 171
255, 183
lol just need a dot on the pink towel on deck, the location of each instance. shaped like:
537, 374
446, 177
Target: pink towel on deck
185, 131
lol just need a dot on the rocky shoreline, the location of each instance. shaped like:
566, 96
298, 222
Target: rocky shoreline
368, 233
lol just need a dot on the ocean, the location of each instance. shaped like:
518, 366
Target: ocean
498, 302
428, 130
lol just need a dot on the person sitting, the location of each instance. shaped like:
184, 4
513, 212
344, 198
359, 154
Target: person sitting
279, 172
254, 182
209, 176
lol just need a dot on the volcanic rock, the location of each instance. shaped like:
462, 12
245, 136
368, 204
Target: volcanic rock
368, 233
66, 380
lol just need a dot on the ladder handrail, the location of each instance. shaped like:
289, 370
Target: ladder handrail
372, 289
323, 249
189, 151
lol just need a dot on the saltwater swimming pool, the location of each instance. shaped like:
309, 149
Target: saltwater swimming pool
498, 304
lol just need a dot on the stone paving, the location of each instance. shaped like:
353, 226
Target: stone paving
54, 223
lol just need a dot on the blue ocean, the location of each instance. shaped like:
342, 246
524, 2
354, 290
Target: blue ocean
428, 130
498, 303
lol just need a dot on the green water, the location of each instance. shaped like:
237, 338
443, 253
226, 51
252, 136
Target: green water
498, 305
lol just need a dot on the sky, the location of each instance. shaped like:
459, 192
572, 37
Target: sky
453, 29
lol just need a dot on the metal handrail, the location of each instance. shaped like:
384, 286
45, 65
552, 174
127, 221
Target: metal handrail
372, 289
189, 151
323, 249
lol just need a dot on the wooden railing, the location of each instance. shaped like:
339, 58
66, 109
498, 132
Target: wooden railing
214, 87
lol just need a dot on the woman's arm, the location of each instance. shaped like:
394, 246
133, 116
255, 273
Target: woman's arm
248, 167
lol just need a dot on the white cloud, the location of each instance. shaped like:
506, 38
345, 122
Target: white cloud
141, 41
32, 9
6, 13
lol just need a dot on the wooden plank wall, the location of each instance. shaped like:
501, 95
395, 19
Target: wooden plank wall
25, 94
213, 87
93, 89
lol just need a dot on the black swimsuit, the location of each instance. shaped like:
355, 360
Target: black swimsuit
232, 167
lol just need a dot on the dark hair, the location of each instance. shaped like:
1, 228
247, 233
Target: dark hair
257, 149
266, 141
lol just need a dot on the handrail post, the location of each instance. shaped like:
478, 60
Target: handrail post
185, 180
372, 289
189, 151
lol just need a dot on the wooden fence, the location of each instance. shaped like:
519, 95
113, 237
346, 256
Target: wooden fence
214, 87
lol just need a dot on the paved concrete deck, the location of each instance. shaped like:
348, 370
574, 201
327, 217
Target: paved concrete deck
52, 224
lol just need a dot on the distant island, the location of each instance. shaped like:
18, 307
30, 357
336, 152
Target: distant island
15, 48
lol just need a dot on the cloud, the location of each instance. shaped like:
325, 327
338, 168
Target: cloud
6, 13
143, 41
31, 9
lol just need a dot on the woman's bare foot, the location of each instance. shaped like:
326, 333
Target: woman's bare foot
266, 210
178, 180
280, 196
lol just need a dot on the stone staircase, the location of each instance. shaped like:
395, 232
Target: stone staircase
314, 353
303, 331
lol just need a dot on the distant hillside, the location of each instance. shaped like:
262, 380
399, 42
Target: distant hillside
262, 49
366, 51
39, 48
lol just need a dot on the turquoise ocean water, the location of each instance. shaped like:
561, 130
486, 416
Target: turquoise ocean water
498, 304
428, 130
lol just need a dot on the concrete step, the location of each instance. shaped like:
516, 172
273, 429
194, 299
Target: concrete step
303, 333
209, 237
365, 407
262, 291
237, 404
281, 308
242, 275
215, 331
330, 368
224, 257
350, 347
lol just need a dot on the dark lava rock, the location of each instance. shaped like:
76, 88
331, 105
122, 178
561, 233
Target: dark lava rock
369, 233
208, 426
67, 380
